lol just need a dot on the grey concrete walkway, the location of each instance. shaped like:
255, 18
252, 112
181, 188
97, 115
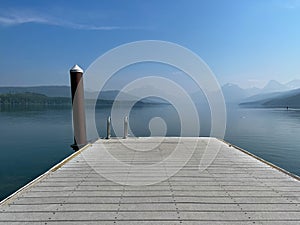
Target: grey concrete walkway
235, 189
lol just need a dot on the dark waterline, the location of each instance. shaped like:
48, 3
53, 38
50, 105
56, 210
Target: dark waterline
33, 139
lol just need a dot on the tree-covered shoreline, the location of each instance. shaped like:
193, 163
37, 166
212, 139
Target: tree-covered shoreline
29, 98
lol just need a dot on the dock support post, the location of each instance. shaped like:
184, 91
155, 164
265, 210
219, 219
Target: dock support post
125, 127
77, 91
108, 127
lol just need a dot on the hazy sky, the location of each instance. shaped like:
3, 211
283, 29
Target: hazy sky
246, 42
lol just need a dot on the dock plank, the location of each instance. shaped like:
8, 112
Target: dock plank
235, 189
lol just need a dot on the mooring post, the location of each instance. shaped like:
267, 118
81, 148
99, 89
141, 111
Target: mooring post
108, 127
77, 91
125, 127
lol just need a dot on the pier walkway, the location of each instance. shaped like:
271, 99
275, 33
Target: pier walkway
236, 188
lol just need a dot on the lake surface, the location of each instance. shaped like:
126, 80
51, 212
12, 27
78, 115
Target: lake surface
33, 139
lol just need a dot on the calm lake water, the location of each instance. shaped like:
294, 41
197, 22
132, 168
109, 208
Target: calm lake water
36, 138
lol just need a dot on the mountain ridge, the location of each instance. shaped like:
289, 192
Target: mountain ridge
289, 99
64, 91
233, 93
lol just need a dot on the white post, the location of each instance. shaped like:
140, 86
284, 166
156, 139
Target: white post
125, 127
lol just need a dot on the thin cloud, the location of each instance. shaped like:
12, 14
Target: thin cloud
15, 19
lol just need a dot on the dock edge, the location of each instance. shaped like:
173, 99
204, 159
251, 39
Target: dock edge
44, 175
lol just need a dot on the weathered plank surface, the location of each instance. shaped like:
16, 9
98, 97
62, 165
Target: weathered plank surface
235, 189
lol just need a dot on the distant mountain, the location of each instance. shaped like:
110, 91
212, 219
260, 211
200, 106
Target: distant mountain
275, 100
272, 95
274, 86
252, 91
290, 101
112, 94
271, 90
65, 92
294, 84
263, 96
233, 93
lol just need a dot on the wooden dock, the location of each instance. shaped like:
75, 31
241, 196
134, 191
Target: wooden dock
236, 188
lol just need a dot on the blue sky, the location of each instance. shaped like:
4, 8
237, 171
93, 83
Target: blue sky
247, 42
